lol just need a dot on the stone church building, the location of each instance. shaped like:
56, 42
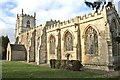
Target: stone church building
89, 38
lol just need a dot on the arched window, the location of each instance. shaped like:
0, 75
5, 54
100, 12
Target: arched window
52, 44
28, 23
91, 41
68, 42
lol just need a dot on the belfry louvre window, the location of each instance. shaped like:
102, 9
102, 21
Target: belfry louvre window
91, 41
28, 23
52, 44
68, 42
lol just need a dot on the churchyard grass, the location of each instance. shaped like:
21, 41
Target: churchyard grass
24, 70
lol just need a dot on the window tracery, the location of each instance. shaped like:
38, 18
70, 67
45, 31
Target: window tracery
91, 41
68, 42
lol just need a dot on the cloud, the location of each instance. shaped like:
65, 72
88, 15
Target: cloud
45, 10
116, 3
7, 29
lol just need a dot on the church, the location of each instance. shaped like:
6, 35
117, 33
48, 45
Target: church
91, 39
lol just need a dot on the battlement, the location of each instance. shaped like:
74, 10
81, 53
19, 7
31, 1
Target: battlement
90, 15
57, 24
72, 21
80, 19
27, 15
39, 26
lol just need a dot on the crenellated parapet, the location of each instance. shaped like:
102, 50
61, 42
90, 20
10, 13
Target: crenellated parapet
39, 26
59, 24
22, 15
72, 21
67, 22
79, 19
52, 24
90, 15
27, 15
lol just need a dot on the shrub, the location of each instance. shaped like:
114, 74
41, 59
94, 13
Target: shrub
63, 64
76, 65
68, 65
57, 64
52, 63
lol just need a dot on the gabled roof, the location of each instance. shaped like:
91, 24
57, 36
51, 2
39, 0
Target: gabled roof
17, 47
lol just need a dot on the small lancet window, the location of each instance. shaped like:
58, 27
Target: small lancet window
52, 44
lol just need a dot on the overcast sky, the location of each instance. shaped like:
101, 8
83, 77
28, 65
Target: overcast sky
45, 10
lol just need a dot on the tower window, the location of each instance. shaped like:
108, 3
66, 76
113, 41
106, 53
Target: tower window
28, 23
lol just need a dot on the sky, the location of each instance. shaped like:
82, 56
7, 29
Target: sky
45, 10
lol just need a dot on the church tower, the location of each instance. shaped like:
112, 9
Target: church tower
24, 23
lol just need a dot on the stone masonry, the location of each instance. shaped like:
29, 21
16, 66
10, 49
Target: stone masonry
88, 38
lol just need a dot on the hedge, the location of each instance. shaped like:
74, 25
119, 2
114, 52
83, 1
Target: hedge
52, 63
74, 65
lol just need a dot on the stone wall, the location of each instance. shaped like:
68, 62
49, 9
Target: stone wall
101, 24
97, 53
8, 56
98, 24
18, 56
43, 47
37, 42
28, 40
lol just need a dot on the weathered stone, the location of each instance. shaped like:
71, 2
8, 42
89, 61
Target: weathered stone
96, 48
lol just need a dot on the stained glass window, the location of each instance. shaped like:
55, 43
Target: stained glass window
91, 41
68, 42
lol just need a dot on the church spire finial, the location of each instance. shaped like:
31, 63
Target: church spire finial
22, 11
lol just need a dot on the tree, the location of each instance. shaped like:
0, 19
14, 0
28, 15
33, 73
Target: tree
5, 41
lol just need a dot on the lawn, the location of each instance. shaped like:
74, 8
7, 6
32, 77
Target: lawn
24, 70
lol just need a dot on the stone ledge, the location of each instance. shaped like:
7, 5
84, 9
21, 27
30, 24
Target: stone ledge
99, 67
